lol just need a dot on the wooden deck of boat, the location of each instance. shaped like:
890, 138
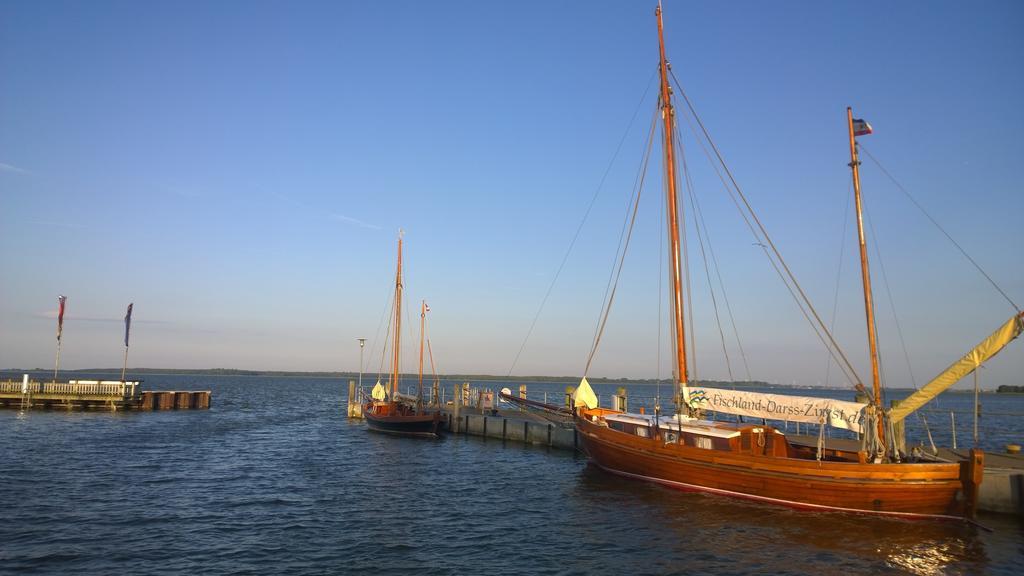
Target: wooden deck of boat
992, 459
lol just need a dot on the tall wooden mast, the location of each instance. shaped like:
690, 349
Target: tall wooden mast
423, 321
398, 322
675, 252
869, 309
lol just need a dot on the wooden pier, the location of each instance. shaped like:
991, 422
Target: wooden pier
96, 395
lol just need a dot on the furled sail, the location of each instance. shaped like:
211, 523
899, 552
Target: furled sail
988, 348
584, 395
379, 392
837, 413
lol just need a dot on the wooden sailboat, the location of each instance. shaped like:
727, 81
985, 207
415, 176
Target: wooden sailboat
756, 461
392, 412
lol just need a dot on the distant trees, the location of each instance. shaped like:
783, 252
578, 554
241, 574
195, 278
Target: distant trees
1011, 389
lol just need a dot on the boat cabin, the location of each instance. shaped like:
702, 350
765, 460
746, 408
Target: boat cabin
704, 434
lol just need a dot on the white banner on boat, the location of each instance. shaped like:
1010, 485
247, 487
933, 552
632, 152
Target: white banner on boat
838, 413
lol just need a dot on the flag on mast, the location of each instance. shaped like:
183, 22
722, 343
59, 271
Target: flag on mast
60, 315
127, 323
861, 127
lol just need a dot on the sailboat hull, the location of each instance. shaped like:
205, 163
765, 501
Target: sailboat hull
402, 421
911, 490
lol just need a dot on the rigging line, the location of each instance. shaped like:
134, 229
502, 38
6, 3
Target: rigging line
433, 369
764, 233
700, 241
430, 352
661, 287
579, 228
803, 310
941, 229
692, 358
839, 274
832, 349
373, 345
620, 247
899, 328
387, 337
625, 247
721, 284
691, 364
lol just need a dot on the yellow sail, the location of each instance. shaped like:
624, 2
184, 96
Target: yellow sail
584, 396
379, 392
962, 367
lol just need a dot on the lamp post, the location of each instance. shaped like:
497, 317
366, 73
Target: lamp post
362, 344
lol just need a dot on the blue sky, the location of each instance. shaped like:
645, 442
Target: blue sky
239, 171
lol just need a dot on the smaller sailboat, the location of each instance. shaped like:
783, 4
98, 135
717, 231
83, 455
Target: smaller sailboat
389, 411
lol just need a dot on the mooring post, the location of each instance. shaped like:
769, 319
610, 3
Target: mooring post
619, 400
522, 394
456, 404
351, 395
569, 391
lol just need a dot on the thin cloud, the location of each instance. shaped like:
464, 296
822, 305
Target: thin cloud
326, 214
10, 168
52, 315
350, 220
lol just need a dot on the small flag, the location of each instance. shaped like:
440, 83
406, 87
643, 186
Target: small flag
60, 315
127, 324
426, 307
861, 127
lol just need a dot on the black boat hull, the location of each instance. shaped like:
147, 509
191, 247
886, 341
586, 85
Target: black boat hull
426, 425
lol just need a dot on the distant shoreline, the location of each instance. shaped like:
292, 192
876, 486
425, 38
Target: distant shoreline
225, 372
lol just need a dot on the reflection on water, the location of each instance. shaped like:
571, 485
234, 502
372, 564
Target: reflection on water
728, 535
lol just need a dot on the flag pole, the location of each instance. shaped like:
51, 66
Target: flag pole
56, 364
125, 367
127, 328
61, 301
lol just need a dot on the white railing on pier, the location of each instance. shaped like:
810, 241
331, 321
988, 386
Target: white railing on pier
111, 388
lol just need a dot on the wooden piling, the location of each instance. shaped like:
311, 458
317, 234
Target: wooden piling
620, 401
355, 407
182, 400
201, 400
164, 400
456, 408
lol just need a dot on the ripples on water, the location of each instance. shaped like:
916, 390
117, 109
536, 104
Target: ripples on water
274, 480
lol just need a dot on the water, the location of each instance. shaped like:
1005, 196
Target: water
274, 480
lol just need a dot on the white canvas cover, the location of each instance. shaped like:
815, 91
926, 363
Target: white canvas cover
838, 413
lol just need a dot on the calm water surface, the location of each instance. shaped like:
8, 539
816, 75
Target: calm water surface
274, 480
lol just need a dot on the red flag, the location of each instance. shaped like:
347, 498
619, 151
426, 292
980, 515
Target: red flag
60, 315
127, 324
